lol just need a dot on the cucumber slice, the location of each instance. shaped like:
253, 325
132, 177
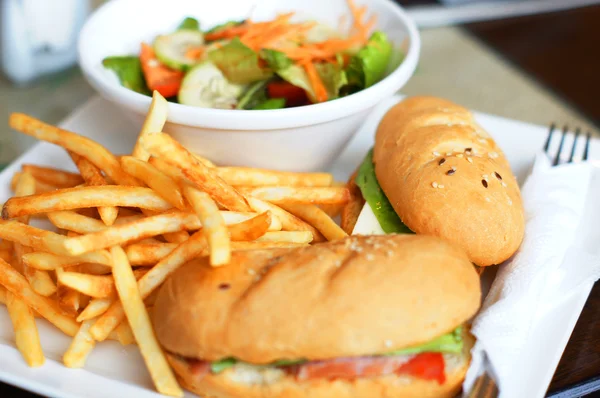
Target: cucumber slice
205, 86
171, 49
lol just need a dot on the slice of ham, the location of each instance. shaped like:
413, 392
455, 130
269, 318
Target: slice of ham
427, 366
198, 368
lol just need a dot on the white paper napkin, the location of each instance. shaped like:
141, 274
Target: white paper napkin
558, 256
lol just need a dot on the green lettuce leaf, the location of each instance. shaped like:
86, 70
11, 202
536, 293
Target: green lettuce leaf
370, 64
225, 25
255, 94
129, 71
239, 63
189, 23
332, 75
271, 103
366, 180
451, 343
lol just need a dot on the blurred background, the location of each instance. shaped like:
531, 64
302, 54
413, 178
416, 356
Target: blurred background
533, 60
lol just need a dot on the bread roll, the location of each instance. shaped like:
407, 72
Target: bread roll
353, 297
445, 176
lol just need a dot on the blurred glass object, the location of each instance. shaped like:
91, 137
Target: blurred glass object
38, 37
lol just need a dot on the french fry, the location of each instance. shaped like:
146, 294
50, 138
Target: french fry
36, 238
203, 160
170, 170
54, 177
40, 187
155, 179
289, 222
94, 269
248, 176
214, 228
76, 198
6, 254
125, 334
95, 308
287, 237
80, 347
68, 299
97, 286
155, 121
332, 210
352, 209
282, 194
76, 143
153, 279
49, 261
262, 245
3, 295
148, 254
138, 318
317, 218
176, 237
39, 280
143, 228
47, 308
252, 228
26, 333
163, 146
93, 177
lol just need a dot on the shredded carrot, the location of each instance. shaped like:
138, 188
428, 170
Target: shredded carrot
315, 81
228, 33
195, 52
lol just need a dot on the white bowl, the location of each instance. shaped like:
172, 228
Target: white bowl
305, 138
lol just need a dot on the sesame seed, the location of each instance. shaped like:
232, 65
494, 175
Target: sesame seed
451, 171
469, 160
503, 184
440, 186
251, 271
498, 176
460, 155
224, 286
434, 184
484, 176
509, 202
448, 153
487, 199
369, 257
484, 183
456, 150
493, 155
435, 153
468, 149
441, 162
389, 253
388, 343
482, 140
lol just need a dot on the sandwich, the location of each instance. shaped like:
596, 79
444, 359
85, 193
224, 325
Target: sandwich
365, 316
433, 170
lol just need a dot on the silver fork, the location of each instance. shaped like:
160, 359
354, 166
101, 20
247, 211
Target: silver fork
485, 386
559, 156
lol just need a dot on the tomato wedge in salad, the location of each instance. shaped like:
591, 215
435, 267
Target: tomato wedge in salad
158, 77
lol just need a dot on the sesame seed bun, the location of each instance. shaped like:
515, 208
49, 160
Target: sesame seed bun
353, 297
445, 176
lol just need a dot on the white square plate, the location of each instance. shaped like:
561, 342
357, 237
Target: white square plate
114, 370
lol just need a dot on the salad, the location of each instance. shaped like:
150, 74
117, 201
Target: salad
258, 65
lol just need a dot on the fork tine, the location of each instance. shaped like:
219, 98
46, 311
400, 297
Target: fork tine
577, 132
560, 146
586, 151
547, 144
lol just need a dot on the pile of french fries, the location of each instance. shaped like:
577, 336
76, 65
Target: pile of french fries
125, 223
